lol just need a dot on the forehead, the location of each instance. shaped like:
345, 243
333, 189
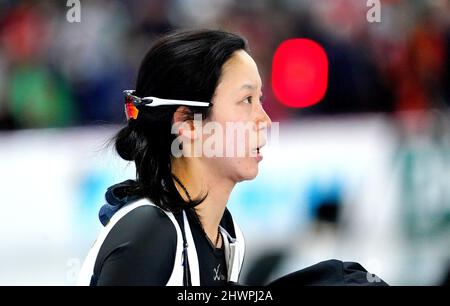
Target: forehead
239, 70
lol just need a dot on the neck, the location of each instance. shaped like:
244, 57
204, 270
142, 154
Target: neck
211, 210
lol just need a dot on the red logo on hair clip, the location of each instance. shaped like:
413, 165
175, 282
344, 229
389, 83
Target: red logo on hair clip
131, 110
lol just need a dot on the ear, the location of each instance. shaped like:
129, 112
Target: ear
183, 125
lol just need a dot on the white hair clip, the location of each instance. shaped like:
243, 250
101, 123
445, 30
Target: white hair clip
131, 101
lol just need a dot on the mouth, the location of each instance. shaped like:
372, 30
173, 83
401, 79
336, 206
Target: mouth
257, 150
260, 146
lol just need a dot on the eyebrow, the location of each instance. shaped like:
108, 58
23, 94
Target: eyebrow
249, 86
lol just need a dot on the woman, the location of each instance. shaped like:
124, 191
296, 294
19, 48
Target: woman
171, 225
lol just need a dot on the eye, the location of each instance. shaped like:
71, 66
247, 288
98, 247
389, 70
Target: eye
248, 100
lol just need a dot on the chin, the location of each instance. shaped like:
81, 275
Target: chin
249, 174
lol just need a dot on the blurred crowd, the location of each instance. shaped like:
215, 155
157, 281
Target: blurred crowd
54, 73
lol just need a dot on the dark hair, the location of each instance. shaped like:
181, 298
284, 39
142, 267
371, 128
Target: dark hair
183, 65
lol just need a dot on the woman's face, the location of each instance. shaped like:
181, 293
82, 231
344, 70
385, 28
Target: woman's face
241, 120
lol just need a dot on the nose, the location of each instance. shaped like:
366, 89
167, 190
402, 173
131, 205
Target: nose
263, 120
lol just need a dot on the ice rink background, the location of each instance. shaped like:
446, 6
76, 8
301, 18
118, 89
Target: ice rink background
362, 175
53, 183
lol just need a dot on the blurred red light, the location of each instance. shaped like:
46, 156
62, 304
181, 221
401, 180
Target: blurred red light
299, 73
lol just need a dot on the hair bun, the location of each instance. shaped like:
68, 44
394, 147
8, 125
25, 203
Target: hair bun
128, 142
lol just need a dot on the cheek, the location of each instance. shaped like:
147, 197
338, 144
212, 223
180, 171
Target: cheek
229, 111
235, 133
228, 140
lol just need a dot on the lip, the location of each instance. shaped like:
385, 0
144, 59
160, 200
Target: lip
258, 156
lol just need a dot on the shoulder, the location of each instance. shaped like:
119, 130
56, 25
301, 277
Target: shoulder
142, 233
146, 223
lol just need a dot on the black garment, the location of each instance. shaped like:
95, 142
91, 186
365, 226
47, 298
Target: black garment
141, 247
330, 273
213, 267
140, 250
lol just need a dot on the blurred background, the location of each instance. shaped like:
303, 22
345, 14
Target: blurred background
361, 171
